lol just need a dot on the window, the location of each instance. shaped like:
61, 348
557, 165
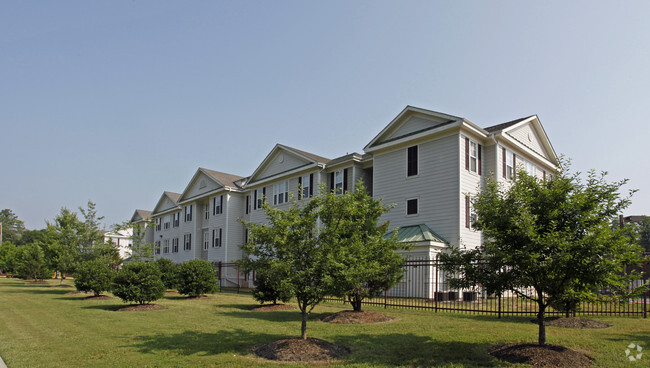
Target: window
158, 223
305, 186
156, 247
281, 192
167, 223
188, 213
470, 215
259, 197
166, 246
206, 211
530, 168
412, 161
246, 235
510, 164
338, 182
217, 205
206, 240
175, 245
187, 242
412, 206
248, 204
472, 156
176, 219
216, 238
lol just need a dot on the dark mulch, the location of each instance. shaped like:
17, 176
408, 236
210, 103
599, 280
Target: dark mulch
548, 355
299, 350
573, 322
141, 308
273, 307
98, 297
352, 317
199, 297
61, 286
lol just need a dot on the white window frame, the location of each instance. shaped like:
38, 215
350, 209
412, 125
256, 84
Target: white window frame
473, 156
338, 182
417, 206
166, 246
510, 164
167, 222
207, 211
217, 241
175, 242
206, 238
304, 183
187, 242
281, 192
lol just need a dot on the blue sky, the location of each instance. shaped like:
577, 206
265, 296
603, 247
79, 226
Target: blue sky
118, 101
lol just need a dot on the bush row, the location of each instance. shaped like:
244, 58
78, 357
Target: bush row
144, 282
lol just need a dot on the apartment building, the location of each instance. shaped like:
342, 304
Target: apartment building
428, 164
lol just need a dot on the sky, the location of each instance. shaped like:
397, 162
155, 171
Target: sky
117, 101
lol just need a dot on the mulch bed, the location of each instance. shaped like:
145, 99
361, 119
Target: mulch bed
352, 317
98, 297
573, 322
141, 308
39, 282
61, 286
273, 307
199, 297
540, 356
76, 292
298, 350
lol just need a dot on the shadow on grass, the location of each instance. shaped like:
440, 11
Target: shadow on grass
44, 289
201, 343
374, 350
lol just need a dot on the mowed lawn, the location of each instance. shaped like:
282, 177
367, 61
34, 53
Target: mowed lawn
42, 326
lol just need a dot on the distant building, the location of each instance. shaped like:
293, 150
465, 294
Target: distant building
123, 240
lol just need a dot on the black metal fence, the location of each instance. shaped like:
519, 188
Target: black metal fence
425, 286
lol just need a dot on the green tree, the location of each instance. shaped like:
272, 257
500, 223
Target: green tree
272, 284
94, 275
89, 233
363, 260
108, 252
168, 272
33, 236
141, 249
64, 249
138, 282
31, 262
8, 254
553, 236
196, 277
291, 239
12, 227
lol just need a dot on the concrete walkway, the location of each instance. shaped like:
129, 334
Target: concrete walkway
2, 363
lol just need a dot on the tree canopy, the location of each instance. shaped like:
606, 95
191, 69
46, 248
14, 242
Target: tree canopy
553, 235
12, 227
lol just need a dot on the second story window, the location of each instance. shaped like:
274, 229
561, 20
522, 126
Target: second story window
281, 192
175, 245
338, 182
158, 223
412, 206
188, 213
305, 186
472, 156
167, 222
166, 246
508, 163
217, 205
187, 242
412, 161
216, 238
176, 219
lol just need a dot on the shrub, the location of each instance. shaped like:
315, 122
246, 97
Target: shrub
138, 282
168, 272
271, 285
94, 275
196, 277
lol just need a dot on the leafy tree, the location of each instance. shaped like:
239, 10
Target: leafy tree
138, 282
8, 254
271, 284
62, 258
168, 272
363, 261
291, 239
12, 227
94, 275
141, 249
553, 236
108, 252
64, 249
644, 233
33, 236
89, 233
196, 277
31, 262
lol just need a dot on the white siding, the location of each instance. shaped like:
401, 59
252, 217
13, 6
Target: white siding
280, 162
470, 183
435, 186
527, 136
412, 125
203, 184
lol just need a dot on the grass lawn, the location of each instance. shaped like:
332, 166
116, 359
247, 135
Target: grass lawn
41, 326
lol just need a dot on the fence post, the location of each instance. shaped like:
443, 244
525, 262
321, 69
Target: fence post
385, 299
220, 280
435, 294
499, 297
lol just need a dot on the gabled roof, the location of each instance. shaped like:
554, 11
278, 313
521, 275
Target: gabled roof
139, 215
309, 159
221, 179
439, 120
417, 233
171, 196
505, 129
502, 126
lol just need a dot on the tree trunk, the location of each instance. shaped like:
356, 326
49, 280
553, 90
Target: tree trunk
356, 303
541, 339
303, 328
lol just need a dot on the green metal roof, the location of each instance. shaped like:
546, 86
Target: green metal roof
417, 233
